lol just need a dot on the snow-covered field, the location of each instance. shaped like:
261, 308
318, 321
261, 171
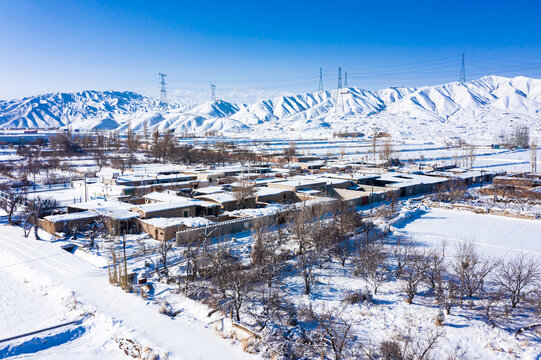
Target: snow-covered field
493, 235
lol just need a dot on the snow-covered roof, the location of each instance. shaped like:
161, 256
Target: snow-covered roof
298, 181
149, 178
219, 197
101, 204
116, 214
268, 210
333, 181
164, 197
149, 208
210, 190
353, 176
82, 215
162, 223
265, 191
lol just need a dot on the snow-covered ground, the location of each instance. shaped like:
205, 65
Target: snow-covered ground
494, 235
109, 313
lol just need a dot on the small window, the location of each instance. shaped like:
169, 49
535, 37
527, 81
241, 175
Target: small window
185, 213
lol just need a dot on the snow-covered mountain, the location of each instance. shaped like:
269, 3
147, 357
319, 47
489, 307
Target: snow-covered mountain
478, 108
84, 110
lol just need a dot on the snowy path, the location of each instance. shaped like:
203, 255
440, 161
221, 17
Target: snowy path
184, 337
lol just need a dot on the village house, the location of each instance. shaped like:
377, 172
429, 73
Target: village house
271, 195
226, 201
167, 210
202, 208
299, 183
165, 229
54, 224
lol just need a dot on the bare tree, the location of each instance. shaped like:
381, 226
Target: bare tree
372, 264
471, 155
374, 144
488, 301
447, 292
38, 208
522, 136
164, 249
11, 198
244, 194
387, 150
533, 155
517, 276
100, 158
471, 270
436, 267
414, 270
290, 151
239, 285
335, 332
401, 251
118, 162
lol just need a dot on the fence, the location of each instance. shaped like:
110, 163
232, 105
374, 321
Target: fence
224, 228
238, 225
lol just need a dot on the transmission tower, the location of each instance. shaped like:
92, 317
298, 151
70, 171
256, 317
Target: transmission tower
339, 106
163, 92
320, 80
346, 80
212, 92
462, 71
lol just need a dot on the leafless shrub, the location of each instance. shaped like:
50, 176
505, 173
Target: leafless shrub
357, 297
488, 301
410, 347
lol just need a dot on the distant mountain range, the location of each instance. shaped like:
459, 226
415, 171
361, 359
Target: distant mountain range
479, 108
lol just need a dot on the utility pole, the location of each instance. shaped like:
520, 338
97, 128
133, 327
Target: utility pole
213, 92
163, 92
372, 198
339, 102
86, 191
462, 77
320, 89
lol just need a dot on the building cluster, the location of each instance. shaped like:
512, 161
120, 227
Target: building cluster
165, 203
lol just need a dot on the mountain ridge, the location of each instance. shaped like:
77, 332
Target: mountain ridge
353, 109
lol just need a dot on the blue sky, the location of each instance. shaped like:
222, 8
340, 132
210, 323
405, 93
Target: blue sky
271, 46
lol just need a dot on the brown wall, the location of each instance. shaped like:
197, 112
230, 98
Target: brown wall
160, 234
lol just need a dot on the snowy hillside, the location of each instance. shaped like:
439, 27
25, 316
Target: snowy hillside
476, 109
82, 110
